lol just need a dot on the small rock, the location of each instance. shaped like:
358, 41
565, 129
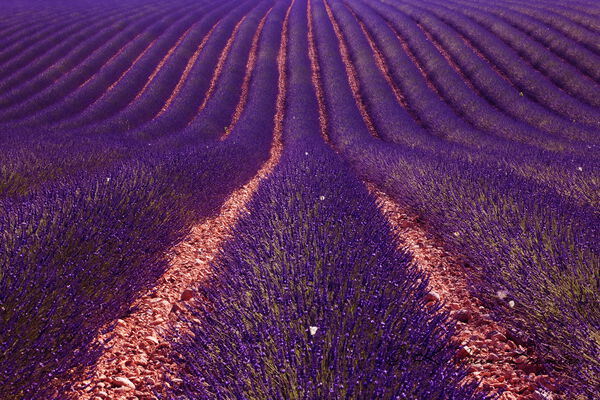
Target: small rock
432, 296
493, 358
542, 395
496, 336
136, 381
149, 381
121, 381
462, 315
546, 381
187, 295
517, 337
142, 359
499, 385
521, 360
464, 352
102, 394
152, 339
510, 345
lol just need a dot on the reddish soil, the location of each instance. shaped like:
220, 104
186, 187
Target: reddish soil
219, 68
188, 69
499, 363
247, 77
138, 357
353, 79
163, 62
136, 360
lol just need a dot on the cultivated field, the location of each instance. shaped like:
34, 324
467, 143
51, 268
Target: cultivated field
300, 199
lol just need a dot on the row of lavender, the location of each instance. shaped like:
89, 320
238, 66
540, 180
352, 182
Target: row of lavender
489, 135
312, 299
524, 214
87, 219
481, 116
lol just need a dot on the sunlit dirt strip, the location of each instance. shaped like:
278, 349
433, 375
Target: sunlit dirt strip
163, 62
219, 68
492, 358
455, 67
351, 72
247, 76
405, 46
385, 70
188, 68
111, 59
479, 54
136, 360
315, 77
498, 362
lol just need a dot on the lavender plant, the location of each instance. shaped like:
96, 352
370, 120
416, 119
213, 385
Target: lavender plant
313, 300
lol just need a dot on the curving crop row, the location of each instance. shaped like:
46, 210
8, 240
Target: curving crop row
463, 94
491, 86
152, 98
70, 72
572, 51
228, 85
52, 48
554, 67
138, 77
230, 42
530, 81
301, 305
572, 29
88, 81
30, 31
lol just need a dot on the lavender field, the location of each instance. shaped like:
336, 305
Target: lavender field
300, 199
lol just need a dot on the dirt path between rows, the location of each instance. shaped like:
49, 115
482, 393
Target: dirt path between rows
136, 360
492, 358
139, 356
